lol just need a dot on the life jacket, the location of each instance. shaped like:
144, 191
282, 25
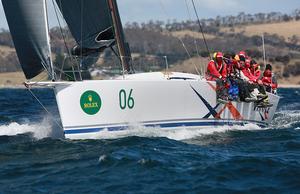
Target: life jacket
268, 80
256, 73
247, 73
215, 71
248, 63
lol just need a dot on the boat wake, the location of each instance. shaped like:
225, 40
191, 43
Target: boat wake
174, 134
47, 129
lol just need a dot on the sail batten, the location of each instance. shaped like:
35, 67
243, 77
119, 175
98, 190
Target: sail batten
27, 20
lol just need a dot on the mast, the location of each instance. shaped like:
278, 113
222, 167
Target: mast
123, 47
264, 49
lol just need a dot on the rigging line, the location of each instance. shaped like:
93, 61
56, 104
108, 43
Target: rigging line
80, 65
201, 29
51, 115
64, 73
57, 69
183, 44
188, 10
118, 57
47, 69
198, 53
81, 28
60, 27
73, 59
195, 40
197, 49
180, 39
264, 49
62, 34
36, 82
190, 18
196, 68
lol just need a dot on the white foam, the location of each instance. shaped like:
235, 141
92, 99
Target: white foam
47, 129
38, 130
179, 134
285, 119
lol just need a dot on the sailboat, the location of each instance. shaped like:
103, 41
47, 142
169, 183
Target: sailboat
168, 100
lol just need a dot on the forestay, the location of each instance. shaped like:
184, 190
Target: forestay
27, 20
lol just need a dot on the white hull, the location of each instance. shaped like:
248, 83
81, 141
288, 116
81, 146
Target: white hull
151, 100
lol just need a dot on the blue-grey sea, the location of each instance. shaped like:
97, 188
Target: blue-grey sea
35, 158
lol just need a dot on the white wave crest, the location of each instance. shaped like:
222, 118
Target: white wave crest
38, 130
285, 119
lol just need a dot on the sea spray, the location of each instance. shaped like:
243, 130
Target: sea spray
174, 134
44, 129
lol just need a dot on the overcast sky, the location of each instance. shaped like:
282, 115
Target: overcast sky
145, 10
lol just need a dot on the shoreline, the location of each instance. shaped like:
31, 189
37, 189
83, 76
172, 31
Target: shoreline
288, 86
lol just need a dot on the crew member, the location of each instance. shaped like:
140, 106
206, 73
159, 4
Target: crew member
248, 91
256, 74
217, 71
233, 90
269, 80
255, 70
216, 68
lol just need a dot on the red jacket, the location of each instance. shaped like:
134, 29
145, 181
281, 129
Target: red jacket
267, 80
232, 67
248, 62
216, 71
256, 73
249, 75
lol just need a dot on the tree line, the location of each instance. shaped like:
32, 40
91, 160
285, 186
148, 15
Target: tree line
155, 38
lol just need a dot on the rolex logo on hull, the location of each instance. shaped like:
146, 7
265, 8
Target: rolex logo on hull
90, 102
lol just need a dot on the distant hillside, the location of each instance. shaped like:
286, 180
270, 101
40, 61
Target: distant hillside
289, 30
197, 35
182, 43
8, 59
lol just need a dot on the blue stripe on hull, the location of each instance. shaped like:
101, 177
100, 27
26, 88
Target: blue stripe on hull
163, 125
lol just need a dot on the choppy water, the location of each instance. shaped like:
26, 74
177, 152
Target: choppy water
34, 157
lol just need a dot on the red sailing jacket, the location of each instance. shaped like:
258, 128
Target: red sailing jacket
249, 75
246, 73
256, 73
267, 80
231, 67
216, 71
